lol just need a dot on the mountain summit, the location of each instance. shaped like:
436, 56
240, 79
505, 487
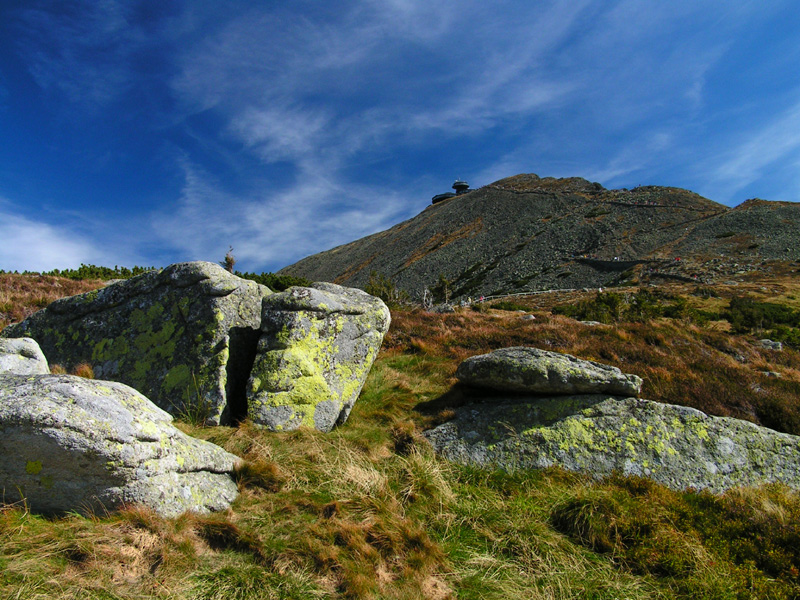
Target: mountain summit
527, 233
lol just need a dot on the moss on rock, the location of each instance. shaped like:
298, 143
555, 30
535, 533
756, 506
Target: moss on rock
73, 444
166, 333
317, 346
598, 434
535, 371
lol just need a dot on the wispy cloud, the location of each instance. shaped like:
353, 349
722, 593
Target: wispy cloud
756, 150
280, 133
38, 246
81, 50
270, 228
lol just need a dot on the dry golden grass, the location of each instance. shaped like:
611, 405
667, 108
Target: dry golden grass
23, 295
681, 363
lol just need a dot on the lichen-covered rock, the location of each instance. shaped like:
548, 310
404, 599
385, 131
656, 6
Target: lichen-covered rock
534, 371
317, 346
22, 356
597, 434
184, 336
68, 443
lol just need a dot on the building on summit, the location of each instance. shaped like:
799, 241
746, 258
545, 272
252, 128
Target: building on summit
460, 187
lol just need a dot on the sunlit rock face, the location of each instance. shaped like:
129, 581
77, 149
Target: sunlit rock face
74, 444
531, 370
317, 346
184, 336
517, 421
597, 434
22, 356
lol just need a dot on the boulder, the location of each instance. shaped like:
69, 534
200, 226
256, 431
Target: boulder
534, 371
598, 434
22, 356
316, 348
74, 444
771, 345
184, 336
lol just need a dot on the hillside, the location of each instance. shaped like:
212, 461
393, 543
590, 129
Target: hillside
529, 233
368, 511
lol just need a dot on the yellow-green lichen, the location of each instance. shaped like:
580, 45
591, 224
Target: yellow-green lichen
33, 467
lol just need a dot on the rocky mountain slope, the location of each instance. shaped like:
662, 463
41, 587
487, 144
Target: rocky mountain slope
529, 233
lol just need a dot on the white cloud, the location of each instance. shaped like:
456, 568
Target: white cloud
750, 157
37, 246
272, 228
761, 148
280, 133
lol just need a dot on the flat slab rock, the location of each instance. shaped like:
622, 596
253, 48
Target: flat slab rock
598, 434
74, 444
22, 356
535, 371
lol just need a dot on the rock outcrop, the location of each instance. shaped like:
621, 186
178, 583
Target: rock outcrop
184, 336
206, 344
317, 346
22, 356
598, 429
68, 443
676, 446
534, 371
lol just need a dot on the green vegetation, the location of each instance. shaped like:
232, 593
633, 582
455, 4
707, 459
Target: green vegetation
613, 307
443, 289
778, 322
368, 511
775, 321
228, 261
275, 282
509, 305
384, 288
88, 272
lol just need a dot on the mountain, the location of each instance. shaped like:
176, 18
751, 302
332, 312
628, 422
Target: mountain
527, 233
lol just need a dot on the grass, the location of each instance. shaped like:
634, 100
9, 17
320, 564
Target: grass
368, 511
21, 296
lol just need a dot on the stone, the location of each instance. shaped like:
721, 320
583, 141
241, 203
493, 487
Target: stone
598, 434
316, 348
184, 336
442, 309
771, 345
74, 444
22, 356
534, 371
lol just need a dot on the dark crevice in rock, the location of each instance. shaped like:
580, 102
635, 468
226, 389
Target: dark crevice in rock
243, 347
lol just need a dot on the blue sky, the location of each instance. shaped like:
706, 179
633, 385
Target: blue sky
151, 132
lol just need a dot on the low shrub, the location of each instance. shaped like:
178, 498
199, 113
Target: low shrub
96, 272
274, 281
384, 288
508, 305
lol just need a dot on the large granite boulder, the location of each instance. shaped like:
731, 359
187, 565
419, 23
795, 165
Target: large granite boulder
68, 443
317, 346
598, 434
184, 336
22, 356
534, 371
